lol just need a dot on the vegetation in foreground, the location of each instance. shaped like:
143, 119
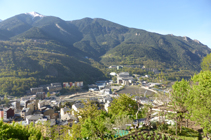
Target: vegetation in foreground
17, 131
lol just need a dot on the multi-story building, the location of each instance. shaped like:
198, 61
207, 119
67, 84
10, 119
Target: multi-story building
35, 90
1, 113
6, 113
40, 95
54, 88
33, 118
17, 106
56, 84
124, 78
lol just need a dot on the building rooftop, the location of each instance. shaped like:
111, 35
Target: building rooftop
79, 105
124, 73
66, 109
34, 117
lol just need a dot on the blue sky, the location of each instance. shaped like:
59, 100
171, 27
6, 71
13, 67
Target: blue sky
190, 18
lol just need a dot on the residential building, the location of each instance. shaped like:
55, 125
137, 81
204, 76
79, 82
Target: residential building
6, 113
41, 103
49, 112
77, 106
66, 84
33, 118
64, 111
35, 90
40, 95
25, 112
69, 118
17, 106
124, 78
56, 84
54, 88
101, 84
1, 113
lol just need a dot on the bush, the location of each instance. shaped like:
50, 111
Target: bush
161, 126
18, 131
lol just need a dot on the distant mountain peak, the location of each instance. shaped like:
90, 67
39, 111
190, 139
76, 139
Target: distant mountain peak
186, 38
35, 14
195, 40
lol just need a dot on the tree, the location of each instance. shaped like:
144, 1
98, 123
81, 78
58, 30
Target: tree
92, 122
18, 131
6, 100
95, 127
48, 94
114, 78
199, 100
179, 96
206, 63
124, 104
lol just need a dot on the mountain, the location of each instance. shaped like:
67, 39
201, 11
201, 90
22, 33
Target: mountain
34, 14
41, 49
107, 42
116, 44
0, 20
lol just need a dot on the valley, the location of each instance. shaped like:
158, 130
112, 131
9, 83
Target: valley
40, 49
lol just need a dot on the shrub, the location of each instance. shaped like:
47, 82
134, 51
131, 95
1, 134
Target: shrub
161, 126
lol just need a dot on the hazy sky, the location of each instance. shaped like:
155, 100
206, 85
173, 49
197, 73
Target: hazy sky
190, 18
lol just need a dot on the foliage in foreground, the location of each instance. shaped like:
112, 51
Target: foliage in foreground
20, 132
94, 123
124, 105
192, 101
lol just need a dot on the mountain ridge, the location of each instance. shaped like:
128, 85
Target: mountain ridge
50, 43
99, 37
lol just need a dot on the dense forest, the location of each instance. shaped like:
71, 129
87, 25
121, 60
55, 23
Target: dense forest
28, 64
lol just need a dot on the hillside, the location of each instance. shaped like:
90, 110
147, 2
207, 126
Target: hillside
29, 64
116, 44
47, 49
170, 51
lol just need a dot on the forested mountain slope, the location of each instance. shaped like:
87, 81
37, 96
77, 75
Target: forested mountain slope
47, 49
28, 64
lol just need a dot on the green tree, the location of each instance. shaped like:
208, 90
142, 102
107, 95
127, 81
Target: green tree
114, 78
75, 132
91, 122
18, 131
199, 100
179, 96
48, 94
95, 127
6, 100
124, 105
206, 63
